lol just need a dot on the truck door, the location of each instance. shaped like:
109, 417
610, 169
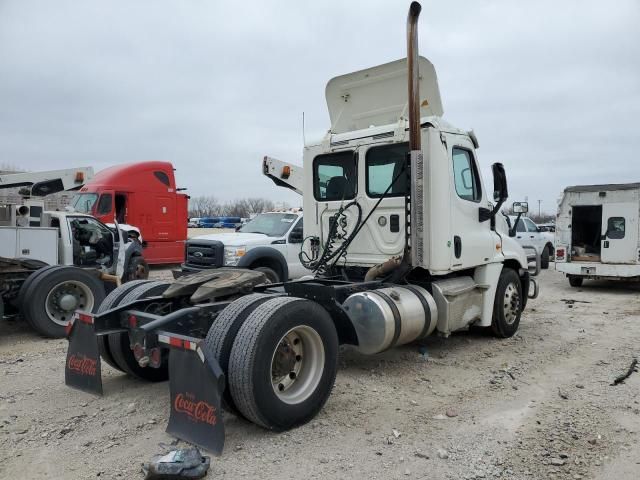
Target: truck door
472, 241
104, 207
619, 241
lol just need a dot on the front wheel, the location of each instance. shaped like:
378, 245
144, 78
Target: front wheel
544, 258
272, 276
137, 269
507, 306
575, 281
283, 363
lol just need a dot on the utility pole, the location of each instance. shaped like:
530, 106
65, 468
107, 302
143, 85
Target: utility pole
539, 211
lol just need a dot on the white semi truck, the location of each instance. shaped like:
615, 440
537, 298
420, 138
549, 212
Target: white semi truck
401, 242
597, 233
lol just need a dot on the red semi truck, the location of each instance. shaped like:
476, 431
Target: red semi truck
144, 195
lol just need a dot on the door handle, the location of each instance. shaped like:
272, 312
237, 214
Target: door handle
519, 236
532, 236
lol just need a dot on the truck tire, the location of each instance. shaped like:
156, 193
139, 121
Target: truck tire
222, 333
137, 269
119, 345
575, 281
283, 363
507, 307
544, 258
55, 295
110, 301
27, 283
272, 276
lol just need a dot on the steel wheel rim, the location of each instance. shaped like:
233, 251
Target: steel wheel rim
297, 364
65, 298
511, 304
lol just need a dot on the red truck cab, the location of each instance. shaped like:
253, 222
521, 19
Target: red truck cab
144, 195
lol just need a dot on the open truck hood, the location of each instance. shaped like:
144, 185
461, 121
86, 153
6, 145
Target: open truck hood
378, 96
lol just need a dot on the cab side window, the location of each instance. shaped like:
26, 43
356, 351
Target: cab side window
104, 204
465, 175
530, 225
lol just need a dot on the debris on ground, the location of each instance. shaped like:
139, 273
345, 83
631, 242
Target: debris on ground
570, 301
183, 463
632, 368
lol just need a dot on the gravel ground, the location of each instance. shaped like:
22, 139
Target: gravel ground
537, 406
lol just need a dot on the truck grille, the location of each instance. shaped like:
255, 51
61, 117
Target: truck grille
204, 253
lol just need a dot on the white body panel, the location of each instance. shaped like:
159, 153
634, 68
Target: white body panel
619, 255
37, 243
528, 233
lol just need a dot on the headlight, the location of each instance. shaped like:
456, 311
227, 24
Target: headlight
232, 255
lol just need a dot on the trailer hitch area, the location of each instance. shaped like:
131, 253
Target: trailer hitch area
196, 384
82, 368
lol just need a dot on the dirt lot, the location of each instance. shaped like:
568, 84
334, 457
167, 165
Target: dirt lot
538, 405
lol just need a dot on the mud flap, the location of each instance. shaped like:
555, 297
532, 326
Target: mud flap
82, 369
196, 384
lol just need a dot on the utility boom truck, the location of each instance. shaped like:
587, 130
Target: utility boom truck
64, 263
402, 243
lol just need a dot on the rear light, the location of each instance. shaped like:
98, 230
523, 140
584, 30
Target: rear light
133, 321
286, 171
560, 253
138, 351
79, 177
85, 318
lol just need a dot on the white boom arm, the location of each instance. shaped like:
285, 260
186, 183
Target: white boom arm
283, 174
46, 183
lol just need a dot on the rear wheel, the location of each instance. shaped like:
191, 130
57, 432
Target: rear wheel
575, 281
222, 333
507, 306
54, 296
283, 363
111, 301
544, 258
120, 346
27, 283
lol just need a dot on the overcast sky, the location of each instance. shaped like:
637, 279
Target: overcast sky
552, 89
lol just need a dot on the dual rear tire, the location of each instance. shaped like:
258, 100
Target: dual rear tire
279, 355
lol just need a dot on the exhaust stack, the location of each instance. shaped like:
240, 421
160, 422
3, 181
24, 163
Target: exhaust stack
414, 200
413, 77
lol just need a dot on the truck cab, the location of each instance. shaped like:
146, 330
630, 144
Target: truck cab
143, 194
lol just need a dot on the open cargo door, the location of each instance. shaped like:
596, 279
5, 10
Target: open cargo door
620, 233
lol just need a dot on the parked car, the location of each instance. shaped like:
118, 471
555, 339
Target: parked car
193, 223
229, 222
270, 243
209, 222
528, 233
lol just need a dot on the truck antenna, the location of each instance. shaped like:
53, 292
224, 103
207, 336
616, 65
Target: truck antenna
304, 141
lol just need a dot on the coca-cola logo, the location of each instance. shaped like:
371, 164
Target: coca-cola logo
196, 410
83, 365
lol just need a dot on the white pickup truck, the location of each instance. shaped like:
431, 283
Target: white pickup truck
269, 243
528, 233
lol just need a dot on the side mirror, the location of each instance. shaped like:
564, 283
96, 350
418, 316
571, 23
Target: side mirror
520, 207
296, 236
500, 191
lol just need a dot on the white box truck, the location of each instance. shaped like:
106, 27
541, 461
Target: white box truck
597, 232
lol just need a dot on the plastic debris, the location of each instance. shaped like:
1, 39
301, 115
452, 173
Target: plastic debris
184, 463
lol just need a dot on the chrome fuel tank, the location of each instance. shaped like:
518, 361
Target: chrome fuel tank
391, 316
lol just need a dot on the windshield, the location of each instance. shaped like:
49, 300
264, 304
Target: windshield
271, 224
83, 202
